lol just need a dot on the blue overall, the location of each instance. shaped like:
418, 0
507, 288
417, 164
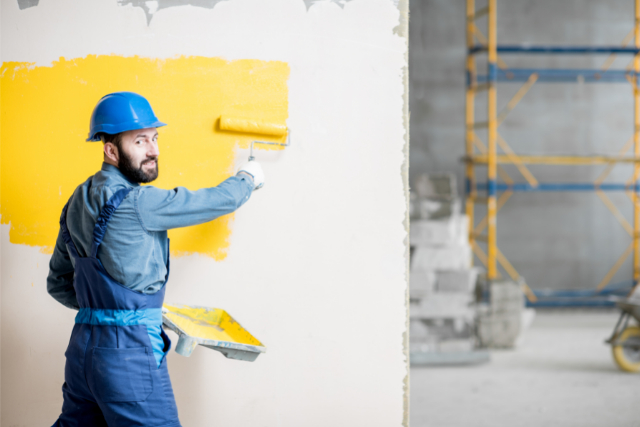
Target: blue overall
116, 373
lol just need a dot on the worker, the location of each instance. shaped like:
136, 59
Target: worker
111, 263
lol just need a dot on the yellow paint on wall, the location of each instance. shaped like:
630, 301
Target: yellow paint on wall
44, 121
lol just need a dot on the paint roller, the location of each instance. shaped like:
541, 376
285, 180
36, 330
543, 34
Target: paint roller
258, 127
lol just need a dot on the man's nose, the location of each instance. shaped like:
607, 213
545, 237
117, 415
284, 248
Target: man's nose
154, 151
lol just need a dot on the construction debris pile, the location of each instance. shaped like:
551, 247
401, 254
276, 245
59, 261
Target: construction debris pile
442, 291
453, 311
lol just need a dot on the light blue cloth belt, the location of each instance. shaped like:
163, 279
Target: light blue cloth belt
150, 317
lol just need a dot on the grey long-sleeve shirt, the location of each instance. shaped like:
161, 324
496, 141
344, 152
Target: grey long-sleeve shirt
135, 247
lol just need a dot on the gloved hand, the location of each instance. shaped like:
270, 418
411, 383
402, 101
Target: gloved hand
254, 169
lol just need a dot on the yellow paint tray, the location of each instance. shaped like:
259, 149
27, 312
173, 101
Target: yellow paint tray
210, 327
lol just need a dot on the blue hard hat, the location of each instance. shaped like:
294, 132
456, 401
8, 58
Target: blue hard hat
120, 112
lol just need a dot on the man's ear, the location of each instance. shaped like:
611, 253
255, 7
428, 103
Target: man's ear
111, 152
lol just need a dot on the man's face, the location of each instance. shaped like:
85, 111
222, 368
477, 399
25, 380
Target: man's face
138, 157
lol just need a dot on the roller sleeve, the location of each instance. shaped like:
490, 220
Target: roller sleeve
263, 127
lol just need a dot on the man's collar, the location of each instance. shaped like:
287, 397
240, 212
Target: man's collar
106, 167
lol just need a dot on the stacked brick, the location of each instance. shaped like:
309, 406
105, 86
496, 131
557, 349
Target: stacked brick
442, 285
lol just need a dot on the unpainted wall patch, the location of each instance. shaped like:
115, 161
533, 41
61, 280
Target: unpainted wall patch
310, 3
25, 4
341, 3
150, 7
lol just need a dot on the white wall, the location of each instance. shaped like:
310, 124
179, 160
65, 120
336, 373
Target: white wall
317, 264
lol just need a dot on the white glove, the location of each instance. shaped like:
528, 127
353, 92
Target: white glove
254, 169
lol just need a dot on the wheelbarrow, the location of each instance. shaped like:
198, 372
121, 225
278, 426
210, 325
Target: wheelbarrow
625, 340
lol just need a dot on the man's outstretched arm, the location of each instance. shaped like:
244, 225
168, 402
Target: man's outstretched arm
161, 210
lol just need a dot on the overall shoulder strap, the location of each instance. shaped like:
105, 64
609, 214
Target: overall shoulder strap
103, 219
65, 232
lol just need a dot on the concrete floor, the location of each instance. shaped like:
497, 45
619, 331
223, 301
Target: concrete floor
562, 375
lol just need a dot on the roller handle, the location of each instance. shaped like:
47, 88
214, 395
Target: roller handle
251, 156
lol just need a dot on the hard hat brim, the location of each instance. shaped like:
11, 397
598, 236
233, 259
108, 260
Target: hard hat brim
121, 127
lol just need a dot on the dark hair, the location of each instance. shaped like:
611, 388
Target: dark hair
115, 139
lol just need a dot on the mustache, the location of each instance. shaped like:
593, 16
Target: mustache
149, 159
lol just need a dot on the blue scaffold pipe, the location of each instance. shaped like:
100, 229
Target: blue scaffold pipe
581, 297
492, 71
553, 187
560, 303
580, 50
616, 289
546, 75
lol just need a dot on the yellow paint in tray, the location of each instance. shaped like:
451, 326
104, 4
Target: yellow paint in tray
209, 324
45, 112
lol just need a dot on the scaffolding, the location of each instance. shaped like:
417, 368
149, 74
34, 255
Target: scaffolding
479, 154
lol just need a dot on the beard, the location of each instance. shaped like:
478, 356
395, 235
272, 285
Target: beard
137, 174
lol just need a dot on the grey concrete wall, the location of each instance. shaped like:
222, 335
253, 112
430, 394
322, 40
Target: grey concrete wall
555, 240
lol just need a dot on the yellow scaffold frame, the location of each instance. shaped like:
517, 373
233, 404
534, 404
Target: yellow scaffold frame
479, 154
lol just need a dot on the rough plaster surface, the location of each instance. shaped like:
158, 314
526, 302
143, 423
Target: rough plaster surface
403, 31
316, 256
555, 240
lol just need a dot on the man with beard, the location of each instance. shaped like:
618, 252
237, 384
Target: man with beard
111, 263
